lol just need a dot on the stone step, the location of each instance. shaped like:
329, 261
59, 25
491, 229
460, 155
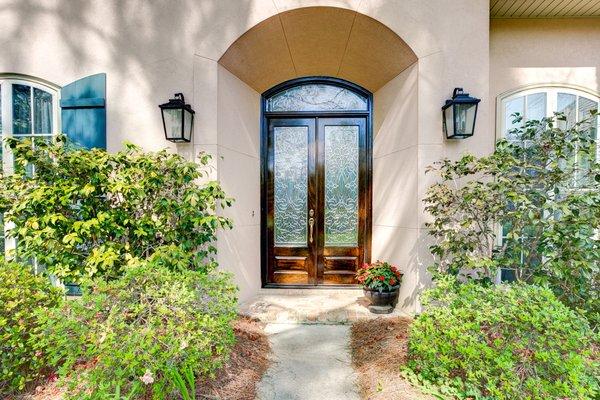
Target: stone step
323, 291
311, 306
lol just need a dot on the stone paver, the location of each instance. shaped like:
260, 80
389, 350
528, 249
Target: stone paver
310, 362
311, 306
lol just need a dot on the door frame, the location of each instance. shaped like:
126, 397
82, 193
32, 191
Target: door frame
264, 132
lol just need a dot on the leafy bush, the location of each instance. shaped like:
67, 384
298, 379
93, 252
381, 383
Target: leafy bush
85, 213
22, 295
542, 188
134, 335
503, 342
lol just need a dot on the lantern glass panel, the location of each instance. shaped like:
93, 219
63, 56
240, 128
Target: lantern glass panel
188, 120
464, 119
449, 121
173, 121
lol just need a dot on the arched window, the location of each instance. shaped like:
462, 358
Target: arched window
537, 103
543, 101
28, 109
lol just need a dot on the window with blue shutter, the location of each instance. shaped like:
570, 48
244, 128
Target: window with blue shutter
83, 111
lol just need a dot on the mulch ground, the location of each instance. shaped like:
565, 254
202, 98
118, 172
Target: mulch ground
248, 362
237, 380
379, 350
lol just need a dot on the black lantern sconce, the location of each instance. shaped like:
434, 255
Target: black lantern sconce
459, 115
178, 119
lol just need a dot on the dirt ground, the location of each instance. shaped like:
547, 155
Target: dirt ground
236, 381
378, 351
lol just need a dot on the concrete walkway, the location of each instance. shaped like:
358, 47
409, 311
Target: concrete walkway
310, 362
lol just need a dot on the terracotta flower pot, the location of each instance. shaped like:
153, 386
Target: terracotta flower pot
382, 302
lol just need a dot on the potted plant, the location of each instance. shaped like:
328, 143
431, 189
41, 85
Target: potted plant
381, 285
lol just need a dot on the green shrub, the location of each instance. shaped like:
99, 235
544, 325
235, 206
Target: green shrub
86, 213
503, 342
544, 190
22, 295
133, 335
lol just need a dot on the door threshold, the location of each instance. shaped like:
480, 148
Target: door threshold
317, 287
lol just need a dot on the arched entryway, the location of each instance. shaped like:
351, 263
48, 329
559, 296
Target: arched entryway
318, 41
315, 182
364, 56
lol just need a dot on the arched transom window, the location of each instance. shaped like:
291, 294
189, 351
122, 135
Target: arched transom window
316, 97
537, 103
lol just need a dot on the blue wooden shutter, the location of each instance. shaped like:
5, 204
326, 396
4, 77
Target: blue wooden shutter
83, 111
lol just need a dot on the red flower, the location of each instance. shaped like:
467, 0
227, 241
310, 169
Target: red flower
361, 279
365, 265
392, 281
381, 278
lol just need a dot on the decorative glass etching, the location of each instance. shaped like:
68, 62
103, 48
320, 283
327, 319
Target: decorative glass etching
341, 185
290, 185
316, 97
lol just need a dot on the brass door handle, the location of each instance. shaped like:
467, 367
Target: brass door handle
311, 223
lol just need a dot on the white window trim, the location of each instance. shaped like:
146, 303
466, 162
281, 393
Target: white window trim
551, 90
6, 84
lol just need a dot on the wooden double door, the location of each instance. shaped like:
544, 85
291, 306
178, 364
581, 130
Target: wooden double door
317, 200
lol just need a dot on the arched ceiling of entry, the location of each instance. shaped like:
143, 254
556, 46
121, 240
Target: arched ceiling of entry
318, 41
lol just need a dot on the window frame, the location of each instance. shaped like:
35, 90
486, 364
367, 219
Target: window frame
6, 90
551, 104
7, 80
551, 91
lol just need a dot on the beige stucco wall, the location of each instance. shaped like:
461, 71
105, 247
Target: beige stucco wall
395, 179
150, 50
543, 51
239, 172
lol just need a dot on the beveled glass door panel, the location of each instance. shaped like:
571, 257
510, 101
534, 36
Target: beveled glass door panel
341, 185
342, 198
290, 197
290, 155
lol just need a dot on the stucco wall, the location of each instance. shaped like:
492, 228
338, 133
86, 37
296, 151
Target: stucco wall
395, 179
150, 50
239, 172
532, 52
134, 42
